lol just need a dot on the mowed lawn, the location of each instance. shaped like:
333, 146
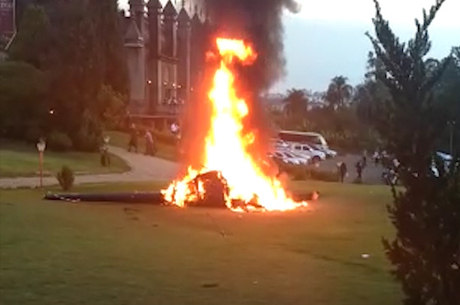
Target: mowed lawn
76, 253
21, 160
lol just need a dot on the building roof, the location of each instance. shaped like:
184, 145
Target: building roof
133, 37
169, 9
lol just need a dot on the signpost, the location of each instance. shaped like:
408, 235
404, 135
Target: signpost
7, 23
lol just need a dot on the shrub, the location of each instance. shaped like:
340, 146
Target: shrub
296, 172
112, 106
299, 172
322, 175
65, 177
59, 141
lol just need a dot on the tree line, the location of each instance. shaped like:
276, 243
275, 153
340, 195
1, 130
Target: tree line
351, 116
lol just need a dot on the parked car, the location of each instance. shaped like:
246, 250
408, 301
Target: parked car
330, 153
305, 149
278, 144
445, 163
288, 158
304, 159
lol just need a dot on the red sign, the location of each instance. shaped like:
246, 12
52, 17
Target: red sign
7, 22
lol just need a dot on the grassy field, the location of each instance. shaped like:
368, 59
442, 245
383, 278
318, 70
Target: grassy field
22, 160
164, 151
67, 253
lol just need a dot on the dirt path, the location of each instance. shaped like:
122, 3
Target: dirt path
143, 168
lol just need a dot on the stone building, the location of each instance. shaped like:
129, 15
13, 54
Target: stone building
165, 53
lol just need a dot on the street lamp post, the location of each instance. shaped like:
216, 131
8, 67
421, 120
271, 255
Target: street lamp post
41, 145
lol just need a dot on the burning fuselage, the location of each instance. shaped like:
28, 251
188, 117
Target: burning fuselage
241, 178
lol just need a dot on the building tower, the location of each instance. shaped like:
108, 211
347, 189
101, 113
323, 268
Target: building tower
170, 61
135, 49
184, 48
137, 10
154, 82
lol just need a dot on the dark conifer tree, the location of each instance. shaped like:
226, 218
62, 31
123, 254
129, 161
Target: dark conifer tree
426, 212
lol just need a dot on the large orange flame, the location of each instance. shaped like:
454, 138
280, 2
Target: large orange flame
227, 146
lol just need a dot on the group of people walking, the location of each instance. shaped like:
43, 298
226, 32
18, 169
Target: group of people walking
342, 169
150, 148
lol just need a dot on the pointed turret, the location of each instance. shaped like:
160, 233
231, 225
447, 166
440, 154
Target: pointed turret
196, 21
170, 10
183, 17
154, 71
135, 56
184, 46
170, 30
137, 11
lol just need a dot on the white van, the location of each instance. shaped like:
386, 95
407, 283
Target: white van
303, 137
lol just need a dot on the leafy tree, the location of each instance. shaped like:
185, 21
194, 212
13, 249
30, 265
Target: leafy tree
108, 30
22, 99
75, 69
296, 104
447, 92
78, 46
112, 106
370, 96
339, 92
32, 40
87, 56
426, 212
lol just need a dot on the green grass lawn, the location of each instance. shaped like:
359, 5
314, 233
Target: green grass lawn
22, 160
68, 253
164, 151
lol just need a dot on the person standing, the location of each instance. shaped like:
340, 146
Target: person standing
359, 171
376, 157
104, 149
133, 139
364, 159
342, 171
149, 145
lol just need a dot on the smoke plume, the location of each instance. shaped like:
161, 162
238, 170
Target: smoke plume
260, 22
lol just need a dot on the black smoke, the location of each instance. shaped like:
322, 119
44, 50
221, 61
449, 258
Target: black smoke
259, 22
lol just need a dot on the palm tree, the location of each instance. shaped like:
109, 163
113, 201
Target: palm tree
296, 105
339, 92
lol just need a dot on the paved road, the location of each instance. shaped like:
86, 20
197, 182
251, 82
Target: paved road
143, 168
146, 168
371, 174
